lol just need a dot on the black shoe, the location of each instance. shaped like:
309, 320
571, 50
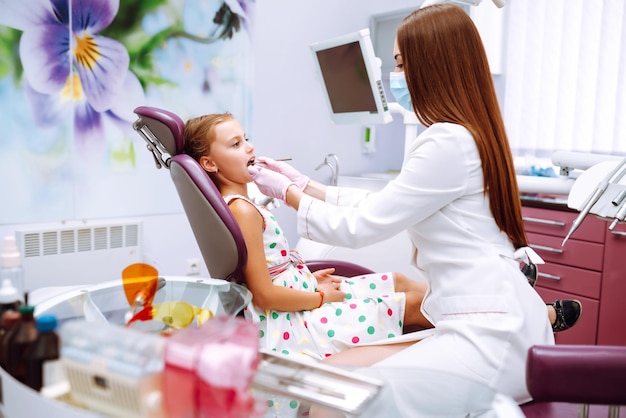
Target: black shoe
568, 312
531, 273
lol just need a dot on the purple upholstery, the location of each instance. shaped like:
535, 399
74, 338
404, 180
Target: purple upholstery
165, 125
589, 374
342, 268
562, 377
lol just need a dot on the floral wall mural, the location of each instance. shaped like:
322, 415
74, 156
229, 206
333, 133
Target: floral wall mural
71, 73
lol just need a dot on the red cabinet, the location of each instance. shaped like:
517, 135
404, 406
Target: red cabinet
590, 268
612, 323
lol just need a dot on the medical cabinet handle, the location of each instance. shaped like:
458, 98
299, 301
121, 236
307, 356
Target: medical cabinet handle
544, 248
620, 233
543, 221
549, 276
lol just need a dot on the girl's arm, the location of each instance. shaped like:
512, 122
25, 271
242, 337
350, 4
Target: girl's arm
264, 294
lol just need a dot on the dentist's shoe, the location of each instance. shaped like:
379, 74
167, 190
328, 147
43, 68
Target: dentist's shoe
568, 312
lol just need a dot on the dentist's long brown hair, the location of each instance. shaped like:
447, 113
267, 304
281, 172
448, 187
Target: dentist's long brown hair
448, 77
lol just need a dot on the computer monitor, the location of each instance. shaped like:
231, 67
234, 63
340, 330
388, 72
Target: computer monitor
351, 76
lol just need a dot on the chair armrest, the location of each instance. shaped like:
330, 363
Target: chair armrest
342, 268
588, 374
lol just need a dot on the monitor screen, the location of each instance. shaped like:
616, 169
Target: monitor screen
351, 77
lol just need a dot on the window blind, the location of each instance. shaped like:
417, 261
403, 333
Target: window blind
565, 76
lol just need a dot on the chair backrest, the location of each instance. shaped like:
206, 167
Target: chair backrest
216, 231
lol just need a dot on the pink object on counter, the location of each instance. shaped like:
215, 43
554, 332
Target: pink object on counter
209, 370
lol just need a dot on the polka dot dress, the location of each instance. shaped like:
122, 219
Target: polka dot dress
372, 310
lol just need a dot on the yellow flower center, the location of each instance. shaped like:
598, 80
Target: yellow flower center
86, 51
73, 89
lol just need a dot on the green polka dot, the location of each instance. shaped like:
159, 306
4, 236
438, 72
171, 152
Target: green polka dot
274, 315
371, 330
261, 334
285, 352
372, 286
305, 285
272, 217
379, 300
288, 316
349, 296
273, 245
270, 403
366, 300
293, 404
350, 282
362, 318
330, 333
400, 324
338, 312
262, 318
390, 335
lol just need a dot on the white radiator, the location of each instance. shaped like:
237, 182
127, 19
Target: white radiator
76, 253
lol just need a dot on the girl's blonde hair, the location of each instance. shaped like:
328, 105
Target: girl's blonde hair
199, 133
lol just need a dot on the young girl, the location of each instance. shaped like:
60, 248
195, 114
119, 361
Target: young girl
299, 313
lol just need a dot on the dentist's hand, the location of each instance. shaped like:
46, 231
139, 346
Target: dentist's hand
269, 182
285, 169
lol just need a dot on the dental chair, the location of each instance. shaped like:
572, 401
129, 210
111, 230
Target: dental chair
576, 380
217, 233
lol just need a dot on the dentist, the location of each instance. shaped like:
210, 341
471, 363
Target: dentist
457, 197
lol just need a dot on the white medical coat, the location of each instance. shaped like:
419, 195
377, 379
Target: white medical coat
486, 315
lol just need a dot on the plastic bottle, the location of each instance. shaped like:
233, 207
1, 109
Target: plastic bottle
25, 334
42, 356
11, 265
10, 322
10, 300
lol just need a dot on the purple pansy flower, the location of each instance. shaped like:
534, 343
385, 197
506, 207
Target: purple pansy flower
64, 57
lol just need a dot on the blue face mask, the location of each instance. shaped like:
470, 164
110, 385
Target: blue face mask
399, 89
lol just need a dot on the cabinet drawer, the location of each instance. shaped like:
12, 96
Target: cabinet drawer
570, 279
585, 330
587, 255
612, 326
558, 224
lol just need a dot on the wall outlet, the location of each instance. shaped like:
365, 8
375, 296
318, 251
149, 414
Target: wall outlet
193, 267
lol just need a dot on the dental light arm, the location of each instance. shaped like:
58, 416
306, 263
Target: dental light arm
612, 177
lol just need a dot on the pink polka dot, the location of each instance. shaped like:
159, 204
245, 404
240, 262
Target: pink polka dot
306, 325
283, 252
385, 277
389, 312
328, 354
355, 340
353, 305
362, 277
324, 320
286, 336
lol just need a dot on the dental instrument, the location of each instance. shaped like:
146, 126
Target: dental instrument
618, 198
619, 216
615, 175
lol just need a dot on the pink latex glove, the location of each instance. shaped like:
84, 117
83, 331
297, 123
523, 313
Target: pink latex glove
269, 182
299, 179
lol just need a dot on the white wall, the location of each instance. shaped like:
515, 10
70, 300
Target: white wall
290, 117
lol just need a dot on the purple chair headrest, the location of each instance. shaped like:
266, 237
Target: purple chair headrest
165, 125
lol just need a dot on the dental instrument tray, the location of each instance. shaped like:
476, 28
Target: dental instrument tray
318, 384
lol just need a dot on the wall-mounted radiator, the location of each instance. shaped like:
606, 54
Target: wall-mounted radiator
76, 253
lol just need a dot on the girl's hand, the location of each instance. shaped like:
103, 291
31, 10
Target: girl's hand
332, 292
325, 276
